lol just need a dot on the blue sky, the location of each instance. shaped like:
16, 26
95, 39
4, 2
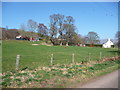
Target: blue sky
100, 17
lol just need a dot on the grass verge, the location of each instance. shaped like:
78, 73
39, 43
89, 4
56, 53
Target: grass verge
58, 76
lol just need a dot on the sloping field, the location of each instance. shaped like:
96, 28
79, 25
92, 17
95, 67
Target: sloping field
32, 56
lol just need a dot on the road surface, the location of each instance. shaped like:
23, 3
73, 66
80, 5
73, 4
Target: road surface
106, 81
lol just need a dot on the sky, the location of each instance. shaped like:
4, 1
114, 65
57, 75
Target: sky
100, 17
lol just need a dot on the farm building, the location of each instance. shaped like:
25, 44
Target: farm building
108, 44
18, 37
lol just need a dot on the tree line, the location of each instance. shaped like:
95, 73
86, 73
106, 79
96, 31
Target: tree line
61, 30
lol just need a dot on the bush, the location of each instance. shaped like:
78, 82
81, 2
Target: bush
94, 45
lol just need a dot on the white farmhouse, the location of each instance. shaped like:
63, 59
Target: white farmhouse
108, 44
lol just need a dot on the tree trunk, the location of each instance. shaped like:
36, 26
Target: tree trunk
52, 42
67, 44
61, 44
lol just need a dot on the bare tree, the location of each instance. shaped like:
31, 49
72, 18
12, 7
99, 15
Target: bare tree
53, 33
23, 27
43, 31
118, 38
32, 26
60, 26
56, 26
69, 20
53, 28
76, 39
117, 35
92, 38
69, 29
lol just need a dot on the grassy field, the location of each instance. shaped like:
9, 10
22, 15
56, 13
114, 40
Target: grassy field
34, 56
63, 73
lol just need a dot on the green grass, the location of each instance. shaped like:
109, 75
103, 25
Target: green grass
34, 56
57, 74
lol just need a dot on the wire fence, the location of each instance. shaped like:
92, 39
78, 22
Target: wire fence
60, 58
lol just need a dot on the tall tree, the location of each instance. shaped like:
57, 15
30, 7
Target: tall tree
43, 30
69, 20
23, 27
32, 26
76, 39
117, 35
81, 39
60, 26
53, 28
118, 39
56, 26
69, 29
92, 38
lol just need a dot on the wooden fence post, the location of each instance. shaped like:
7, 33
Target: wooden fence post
51, 60
116, 54
100, 55
83, 61
89, 57
73, 58
17, 61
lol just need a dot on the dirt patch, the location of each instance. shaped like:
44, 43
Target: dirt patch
35, 44
111, 59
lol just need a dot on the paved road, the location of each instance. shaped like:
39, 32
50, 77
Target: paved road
106, 81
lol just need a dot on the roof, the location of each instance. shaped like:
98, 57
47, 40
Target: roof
102, 41
109, 42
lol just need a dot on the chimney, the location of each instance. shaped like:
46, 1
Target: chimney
108, 39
